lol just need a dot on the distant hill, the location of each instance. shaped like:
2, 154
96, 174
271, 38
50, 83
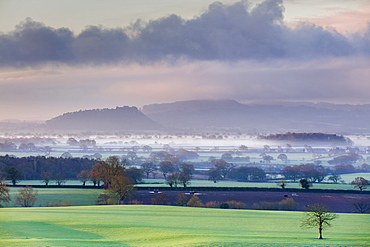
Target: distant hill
120, 118
224, 115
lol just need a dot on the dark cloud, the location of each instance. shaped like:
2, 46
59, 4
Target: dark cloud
223, 32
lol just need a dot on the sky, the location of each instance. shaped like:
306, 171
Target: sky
62, 56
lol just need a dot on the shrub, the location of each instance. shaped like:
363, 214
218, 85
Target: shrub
194, 202
26, 197
212, 204
288, 204
236, 205
224, 205
182, 199
161, 199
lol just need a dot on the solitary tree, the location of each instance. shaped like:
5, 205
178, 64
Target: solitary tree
106, 170
282, 183
121, 187
166, 167
335, 178
4, 193
317, 215
214, 175
173, 179
14, 174
283, 157
361, 207
46, 177
26, 197
83, 176
305, 183
148, 168
135, 174
59, 179
360, 183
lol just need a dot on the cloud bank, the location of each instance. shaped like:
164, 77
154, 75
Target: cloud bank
236, 32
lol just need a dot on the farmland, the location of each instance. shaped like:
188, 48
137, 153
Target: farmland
139, 225
149, 225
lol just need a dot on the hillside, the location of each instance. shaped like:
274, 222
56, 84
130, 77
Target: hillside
219, 115
118, 119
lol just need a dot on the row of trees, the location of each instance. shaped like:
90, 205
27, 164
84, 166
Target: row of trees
311, 172
31, 167
358, 183
221, 170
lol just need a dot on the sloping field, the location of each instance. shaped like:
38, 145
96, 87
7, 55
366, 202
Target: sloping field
140, 225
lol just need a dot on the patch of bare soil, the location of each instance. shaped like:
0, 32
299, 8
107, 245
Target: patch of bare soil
337, 202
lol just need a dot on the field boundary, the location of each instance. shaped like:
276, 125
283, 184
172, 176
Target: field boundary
206, 188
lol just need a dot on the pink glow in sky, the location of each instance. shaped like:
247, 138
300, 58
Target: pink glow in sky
52, 64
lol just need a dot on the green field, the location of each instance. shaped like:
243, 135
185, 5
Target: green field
348, 178
206, 183
139, 225
77, 197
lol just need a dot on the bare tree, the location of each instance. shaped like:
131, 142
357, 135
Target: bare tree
26, 197
59, 179
46, 177
282, 183
148, 168
361, 207
317, 215
4, 193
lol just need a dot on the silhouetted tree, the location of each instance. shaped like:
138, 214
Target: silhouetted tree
173, 179
14, 174
46, 177
282, 183
305, 183
83, 176
214, 175
335, 178
283, 157
166, 167
361, 207
148, 168
59, 179
360, 183
135, 174
222, 167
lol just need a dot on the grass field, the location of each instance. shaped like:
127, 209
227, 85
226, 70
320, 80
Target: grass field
139, 225
78, 197
206, 183
348, 178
